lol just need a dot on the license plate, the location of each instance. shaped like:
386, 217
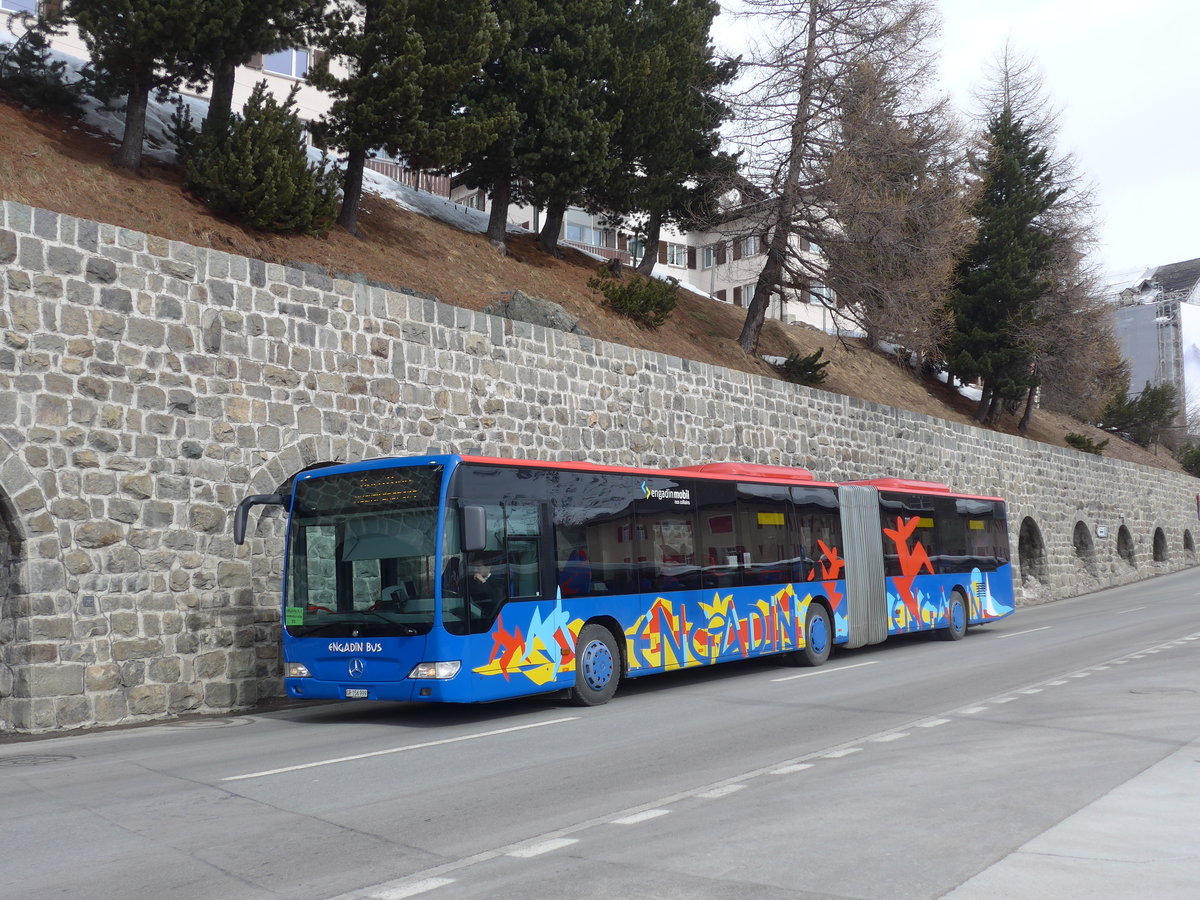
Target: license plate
356, 693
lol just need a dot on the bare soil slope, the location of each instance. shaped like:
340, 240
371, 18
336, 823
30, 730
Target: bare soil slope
52, 163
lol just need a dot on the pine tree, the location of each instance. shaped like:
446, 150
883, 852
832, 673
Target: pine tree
409, 62
542, 83
140, 45
665, 85
1003, 276
236, 30
257, 170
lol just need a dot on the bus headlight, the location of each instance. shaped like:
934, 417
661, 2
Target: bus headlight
441, 671
298, 670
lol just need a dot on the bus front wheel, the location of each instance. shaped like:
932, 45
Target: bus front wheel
597, 666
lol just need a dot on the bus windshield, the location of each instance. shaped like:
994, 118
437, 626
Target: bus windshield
363, 555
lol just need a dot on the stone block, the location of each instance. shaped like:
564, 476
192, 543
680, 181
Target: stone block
72, 712
211, 665
139, 648
58, 680
147, 699
110, 708
103, 677
165, 670
220, 695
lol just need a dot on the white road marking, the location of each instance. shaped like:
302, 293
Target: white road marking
932, 723
838, 754
1030, 691
826, 671
1004, 699
888, 738
724, 791
1121, 612
970, 711
1057, 682
792, 770
1019, 633
1080, 674
638, 818
404, 749
411, 890
542, 847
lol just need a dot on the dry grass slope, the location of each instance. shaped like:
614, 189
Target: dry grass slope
51, 163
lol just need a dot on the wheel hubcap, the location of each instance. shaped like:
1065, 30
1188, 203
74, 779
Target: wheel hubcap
597, 664
818, 634
958, 616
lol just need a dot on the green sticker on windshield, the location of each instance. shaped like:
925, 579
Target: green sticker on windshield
293, 615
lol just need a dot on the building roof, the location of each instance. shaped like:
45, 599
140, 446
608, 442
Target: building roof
1180, 276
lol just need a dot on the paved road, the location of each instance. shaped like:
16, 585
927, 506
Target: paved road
1041, 756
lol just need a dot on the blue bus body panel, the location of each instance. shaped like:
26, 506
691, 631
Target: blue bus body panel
923, 602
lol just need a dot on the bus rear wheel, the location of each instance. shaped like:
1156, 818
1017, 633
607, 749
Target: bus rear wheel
957, 617
818, 638
597, 666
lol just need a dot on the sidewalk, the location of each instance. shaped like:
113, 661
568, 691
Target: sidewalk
1141, 839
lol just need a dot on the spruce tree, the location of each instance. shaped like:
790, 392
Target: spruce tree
140, 45
408, 62
1003, 275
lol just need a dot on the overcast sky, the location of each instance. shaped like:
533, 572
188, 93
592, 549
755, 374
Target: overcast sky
1126, 76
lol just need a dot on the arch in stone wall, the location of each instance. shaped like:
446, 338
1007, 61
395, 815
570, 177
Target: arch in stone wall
1031, 552
1085, 548
22, 505
1125, 546
1160, 545
1189, 545
267, 525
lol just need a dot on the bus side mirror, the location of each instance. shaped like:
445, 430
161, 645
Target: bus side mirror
474, 528
243, 512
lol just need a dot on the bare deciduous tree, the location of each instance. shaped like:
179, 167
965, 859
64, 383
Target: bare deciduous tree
792, 119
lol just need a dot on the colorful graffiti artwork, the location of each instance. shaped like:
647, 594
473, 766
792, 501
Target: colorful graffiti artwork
546, 650
672, 634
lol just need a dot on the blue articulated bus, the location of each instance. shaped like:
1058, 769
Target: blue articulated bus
464, 579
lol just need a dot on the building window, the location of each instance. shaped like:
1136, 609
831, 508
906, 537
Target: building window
676, 255
748, 291
292, 63
708, 257
584, 233
750, 245
637, 249
821, 294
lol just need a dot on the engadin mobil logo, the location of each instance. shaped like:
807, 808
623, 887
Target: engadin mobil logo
681, 496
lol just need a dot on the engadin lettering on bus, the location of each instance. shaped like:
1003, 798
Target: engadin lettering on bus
681, 496
355, 647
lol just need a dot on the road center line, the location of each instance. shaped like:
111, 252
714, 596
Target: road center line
412, 890
1121, 612
404, 749
644, 816
542, 847
825, 671
1001, 637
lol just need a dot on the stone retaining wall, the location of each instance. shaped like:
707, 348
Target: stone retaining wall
147, 385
